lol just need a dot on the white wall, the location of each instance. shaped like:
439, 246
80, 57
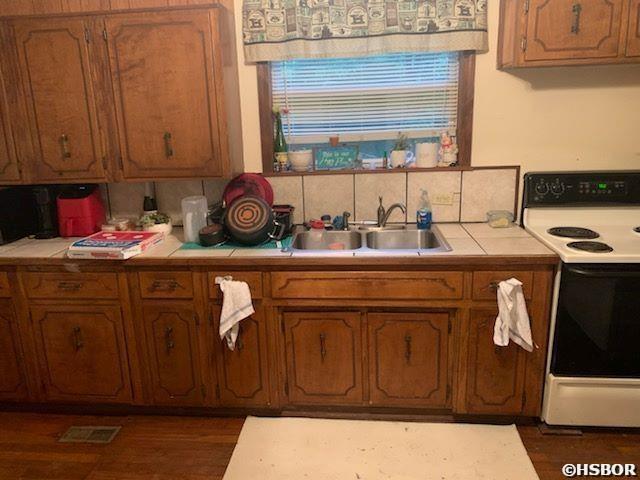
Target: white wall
573, 118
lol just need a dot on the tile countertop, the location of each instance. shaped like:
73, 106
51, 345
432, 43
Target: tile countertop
465, 239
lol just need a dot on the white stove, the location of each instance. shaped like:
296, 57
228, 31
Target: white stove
591, 220
614, 227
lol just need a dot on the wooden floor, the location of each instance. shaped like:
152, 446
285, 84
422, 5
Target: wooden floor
181, 448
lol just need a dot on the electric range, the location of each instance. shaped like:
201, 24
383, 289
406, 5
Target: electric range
592, 221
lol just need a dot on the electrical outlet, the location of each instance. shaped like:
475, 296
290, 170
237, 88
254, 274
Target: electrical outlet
442, 199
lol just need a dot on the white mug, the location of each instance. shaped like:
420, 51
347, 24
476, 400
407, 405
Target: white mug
427, 155
399, 158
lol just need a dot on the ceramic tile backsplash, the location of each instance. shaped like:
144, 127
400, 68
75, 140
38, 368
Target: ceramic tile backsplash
484, 190
330, 194
392, 187
288, 190
436, 183
214, 188
126, 199
473, 194
169, 196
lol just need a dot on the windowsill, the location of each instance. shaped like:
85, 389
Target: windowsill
366, 171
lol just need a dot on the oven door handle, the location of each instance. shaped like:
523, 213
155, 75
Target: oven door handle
603, 273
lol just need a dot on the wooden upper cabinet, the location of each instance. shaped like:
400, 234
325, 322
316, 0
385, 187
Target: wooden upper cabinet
408, 359
324, 357
12, 376
9, 167
172, 353
56, 67
566, 32
567, 29
166, 79
82, 353
495, 375
633, 34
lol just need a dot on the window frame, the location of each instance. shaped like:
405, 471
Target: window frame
466, 84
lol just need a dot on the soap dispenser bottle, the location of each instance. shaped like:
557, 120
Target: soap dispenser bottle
424, 215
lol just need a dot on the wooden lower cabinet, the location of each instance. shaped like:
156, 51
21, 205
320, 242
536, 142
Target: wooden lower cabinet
12, 376
172, 331
243, 374
82, 353
408, 359
495, 375
324, 357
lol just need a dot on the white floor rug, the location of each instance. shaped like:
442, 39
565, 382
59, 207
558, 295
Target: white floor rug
316, 449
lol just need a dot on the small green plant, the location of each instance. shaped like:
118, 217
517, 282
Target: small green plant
402, 142
153, 219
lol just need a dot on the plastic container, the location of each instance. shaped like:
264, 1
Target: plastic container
499, 218
194, 217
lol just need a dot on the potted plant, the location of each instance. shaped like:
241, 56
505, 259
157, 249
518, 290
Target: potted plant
400, 153
155, 222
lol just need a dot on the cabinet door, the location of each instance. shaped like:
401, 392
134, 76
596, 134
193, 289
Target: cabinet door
9, 169
12, 379
56, 68
243, 374
82, 353
408, 359
633, 38
164, 83
172, 347
495, 375
573, 29
324, 357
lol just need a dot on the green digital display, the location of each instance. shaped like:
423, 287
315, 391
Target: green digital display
602, 186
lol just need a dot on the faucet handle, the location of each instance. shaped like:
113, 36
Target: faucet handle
345, 220
380, 200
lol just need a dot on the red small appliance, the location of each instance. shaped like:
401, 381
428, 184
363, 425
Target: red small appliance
80, 211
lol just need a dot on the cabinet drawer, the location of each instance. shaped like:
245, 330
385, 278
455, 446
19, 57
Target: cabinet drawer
383, 285
486, 283
71, 285
253, 279
166, 284
5, 289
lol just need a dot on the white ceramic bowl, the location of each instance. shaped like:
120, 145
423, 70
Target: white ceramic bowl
160, 228
301, 160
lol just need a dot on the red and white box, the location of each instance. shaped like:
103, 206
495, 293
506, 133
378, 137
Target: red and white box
114, 245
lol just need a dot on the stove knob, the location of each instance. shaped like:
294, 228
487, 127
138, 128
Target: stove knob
557, 188
542, 188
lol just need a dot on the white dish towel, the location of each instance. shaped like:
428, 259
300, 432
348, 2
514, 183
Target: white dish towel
512, 321
236, 306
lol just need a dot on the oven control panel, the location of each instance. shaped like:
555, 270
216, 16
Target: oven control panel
581, 188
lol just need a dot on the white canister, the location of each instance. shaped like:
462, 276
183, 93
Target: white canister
427, 155
194, 217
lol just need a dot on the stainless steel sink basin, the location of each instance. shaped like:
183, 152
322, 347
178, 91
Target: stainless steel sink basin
327, 240
406, 240
375, 228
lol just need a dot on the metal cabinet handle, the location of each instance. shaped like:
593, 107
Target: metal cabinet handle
77, 338
493, 286
64, 143
69, 286
323, 346
407, 347
168, 148
168, 338
163, 286
239, 342
575, 24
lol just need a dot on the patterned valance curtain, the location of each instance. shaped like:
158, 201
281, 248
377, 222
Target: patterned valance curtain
289, 29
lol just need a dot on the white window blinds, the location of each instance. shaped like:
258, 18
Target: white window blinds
367, 98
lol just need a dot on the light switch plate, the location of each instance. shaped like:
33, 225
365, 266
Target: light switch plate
442, 199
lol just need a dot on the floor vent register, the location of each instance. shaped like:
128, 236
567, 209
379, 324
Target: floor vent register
89, 434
